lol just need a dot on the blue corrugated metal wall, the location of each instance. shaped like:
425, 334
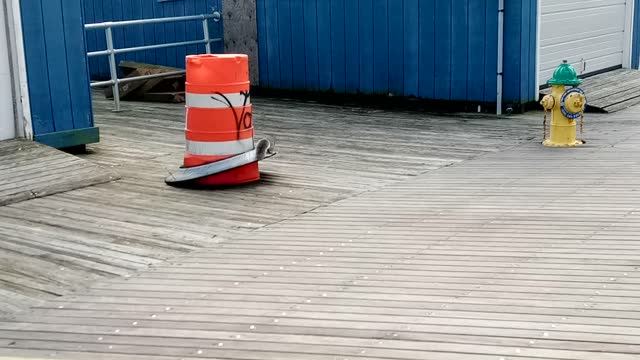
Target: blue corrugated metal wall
444, 50
115, 10
57, 72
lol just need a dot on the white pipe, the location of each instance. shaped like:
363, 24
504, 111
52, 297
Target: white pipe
500, 56
24, 126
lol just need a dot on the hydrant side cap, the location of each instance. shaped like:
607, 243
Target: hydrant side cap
566, 75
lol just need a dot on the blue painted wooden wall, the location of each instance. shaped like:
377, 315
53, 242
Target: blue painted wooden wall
444, 50
57, 72
114, 10
635, 51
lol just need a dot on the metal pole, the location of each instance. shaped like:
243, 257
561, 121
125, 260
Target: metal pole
205, 28
112, 68
500, 57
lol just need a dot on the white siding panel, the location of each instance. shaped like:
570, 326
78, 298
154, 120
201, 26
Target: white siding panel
7, 119
588, 34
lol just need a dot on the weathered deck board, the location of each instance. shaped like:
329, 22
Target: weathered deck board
29, 170
526, 253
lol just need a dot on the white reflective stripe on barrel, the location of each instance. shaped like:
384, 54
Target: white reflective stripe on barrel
217, 101
219, 148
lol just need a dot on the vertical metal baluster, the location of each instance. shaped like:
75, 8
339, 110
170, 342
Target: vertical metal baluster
207, 39
112, 68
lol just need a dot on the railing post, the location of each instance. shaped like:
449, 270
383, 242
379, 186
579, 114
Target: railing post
112, 67
205, 28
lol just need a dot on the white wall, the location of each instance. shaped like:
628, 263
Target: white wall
7, 113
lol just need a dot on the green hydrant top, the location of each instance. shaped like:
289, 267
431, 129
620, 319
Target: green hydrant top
565, 75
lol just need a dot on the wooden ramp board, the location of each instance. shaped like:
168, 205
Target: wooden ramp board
30, 170
611, 91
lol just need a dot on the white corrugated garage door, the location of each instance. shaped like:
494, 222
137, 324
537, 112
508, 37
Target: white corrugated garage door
590, 34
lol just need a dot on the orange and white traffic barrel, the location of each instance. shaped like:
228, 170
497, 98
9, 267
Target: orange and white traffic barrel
219, 119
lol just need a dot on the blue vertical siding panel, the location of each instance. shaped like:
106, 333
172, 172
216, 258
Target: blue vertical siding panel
491, 51
169, 34
512, 51
118, 33
442, 76
411, 47
192, 27
366, 45
181, 34
101, 42
338, 51
284, 34
273, 45
427, 48
635, 60
352, 38
91, 35
218, 31
158, 34
76, 60
396, 47
138, 31
380, 46
297, 45
149, 37
533, 45
324, 44
263, 62
310, 44
475, 50
57, 63
37, 69
459, 49
525, 51
203, 7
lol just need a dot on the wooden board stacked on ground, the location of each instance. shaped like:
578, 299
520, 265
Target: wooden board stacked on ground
29, 170
168, 89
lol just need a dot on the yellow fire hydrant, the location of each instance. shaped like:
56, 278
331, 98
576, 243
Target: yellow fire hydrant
566, 106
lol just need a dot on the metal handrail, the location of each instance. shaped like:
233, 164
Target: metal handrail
111, 51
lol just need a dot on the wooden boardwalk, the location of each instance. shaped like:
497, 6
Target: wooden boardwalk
521, 254
62, 243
